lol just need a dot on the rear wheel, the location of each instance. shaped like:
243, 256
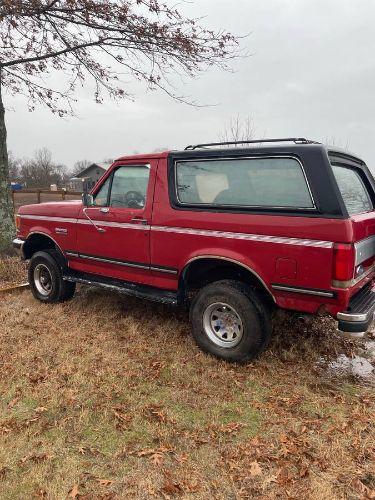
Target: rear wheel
45, 278
230, 321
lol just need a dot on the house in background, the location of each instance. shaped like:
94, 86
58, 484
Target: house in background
88, 177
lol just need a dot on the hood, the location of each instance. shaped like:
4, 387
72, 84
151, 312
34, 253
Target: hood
53, 208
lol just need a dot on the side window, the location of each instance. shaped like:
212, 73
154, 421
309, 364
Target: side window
101, 197
243, 182
129, 187
353, 191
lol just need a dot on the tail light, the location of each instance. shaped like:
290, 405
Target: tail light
18, 222
343, 261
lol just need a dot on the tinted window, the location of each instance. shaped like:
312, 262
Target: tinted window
129, 187
353, 191
263, 182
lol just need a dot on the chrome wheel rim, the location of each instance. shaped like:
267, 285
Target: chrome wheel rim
43, 279
222, 324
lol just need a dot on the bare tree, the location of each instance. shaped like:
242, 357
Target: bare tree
14, 167
334, 142
104, 41
238, 129
79, 166
41, 171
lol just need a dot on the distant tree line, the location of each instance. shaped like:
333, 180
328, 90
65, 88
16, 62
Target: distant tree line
40, 171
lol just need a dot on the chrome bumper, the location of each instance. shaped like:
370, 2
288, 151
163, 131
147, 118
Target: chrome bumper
18, 246
360, 314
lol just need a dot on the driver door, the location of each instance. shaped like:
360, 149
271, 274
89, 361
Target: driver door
113, 237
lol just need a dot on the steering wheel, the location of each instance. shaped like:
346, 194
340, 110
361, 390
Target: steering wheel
135, 199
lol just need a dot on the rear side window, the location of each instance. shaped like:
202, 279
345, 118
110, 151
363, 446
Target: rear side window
355, 195
243, 182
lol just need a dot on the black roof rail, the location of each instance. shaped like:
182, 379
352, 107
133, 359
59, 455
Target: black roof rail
296, 140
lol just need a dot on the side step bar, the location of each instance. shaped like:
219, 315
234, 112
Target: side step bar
125, 287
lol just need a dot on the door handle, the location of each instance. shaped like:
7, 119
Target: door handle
104, 210
139, 220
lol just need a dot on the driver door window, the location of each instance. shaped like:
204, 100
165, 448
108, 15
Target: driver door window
129, 187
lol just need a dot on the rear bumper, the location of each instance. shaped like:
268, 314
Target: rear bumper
360, 314
18, 246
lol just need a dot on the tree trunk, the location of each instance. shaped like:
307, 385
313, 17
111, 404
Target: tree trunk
7, 226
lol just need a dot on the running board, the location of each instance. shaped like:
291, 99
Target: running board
124, 287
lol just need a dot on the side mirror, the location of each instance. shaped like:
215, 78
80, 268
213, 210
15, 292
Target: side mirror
87, 200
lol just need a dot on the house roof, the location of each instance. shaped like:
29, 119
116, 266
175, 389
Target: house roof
103, 166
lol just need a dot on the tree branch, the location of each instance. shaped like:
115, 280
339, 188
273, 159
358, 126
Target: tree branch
51, 54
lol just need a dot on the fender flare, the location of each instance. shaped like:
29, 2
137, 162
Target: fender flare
228, 259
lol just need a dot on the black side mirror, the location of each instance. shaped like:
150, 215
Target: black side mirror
87, 200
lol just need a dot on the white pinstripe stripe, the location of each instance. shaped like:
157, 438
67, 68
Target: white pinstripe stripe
198, 232
121, 225
48, 218
245, 236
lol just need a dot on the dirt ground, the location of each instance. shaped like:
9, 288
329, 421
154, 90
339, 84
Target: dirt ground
107, 397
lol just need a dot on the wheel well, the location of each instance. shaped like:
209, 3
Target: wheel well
36, 243
201, 272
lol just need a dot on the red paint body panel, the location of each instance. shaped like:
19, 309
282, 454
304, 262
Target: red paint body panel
163, 241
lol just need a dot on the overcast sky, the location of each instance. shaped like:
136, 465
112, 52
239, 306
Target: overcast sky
311, 74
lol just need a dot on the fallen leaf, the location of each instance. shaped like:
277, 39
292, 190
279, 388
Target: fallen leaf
255, 469
157, 458
13, 402
105, 482
73, 493
191, 486
171, 488
40, 409
231, 428
182, 458
304, 472
269, 480
146, 452
40, 494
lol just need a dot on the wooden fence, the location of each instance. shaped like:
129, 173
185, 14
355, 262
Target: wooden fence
30, 196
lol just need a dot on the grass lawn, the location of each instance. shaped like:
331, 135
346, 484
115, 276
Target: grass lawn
12, 272
107, 397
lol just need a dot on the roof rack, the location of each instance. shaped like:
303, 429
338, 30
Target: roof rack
296, 140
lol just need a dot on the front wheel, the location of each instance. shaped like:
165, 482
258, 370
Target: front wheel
45, 278
230, 321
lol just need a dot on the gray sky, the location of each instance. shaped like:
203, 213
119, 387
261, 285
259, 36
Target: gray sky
311, 74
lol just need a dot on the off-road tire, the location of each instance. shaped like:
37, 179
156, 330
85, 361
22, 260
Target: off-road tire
58, 289
249, 307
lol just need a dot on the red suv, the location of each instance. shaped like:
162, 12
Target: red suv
231, 229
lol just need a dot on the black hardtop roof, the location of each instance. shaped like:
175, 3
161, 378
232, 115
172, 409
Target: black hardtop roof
296, 140
298, 146
249, 149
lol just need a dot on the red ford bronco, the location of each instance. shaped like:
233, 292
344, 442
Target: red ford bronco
231, 229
